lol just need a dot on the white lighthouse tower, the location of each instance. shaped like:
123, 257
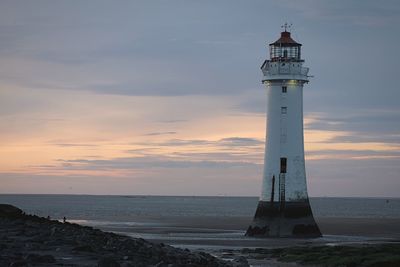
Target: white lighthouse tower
284, 209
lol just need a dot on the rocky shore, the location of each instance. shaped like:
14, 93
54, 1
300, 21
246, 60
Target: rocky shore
29, 240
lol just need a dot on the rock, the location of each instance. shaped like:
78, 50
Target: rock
85, 248
28, 233
53, 231
159, 264
108, 262
240, 262
7, 210
20, 263
35, 258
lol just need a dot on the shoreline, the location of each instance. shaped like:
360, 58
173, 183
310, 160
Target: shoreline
367, 228
27, 240
183, 241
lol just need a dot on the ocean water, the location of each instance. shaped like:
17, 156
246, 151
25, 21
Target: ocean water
130, 208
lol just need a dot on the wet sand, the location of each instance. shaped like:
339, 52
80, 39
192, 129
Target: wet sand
224, 236
369, 227
225, 232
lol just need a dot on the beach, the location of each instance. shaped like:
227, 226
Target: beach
28, 240
219, 232
216, 225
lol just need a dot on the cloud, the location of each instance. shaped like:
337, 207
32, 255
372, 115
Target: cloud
256, 156
75, 145
224, 142
198, 66
371, 126
230, 149
329, 154
365, 138
123, 49
367, 13
146, 162
178, 143
159, 133
239, 141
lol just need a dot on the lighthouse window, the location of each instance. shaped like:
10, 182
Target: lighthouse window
284, 89
284, 110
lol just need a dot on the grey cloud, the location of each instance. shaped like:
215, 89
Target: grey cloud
240, 141
224, 142
372, 120
220, 155
357, 138
232, 153
177, 142
237, 156
147, 151
147, 162
118, 41
159, 133
367, 13
373, 126
46, 166
75, 145
354, 153
232, 149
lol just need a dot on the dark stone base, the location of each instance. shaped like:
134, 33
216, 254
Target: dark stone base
293, 219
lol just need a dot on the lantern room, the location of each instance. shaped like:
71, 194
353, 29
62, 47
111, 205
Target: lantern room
285, 49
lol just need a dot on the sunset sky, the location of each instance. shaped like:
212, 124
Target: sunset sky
165, 97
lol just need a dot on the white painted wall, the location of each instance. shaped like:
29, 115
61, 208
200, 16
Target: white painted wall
284, 137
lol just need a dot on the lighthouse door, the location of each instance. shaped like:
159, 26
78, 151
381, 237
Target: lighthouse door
282, 183
283, 165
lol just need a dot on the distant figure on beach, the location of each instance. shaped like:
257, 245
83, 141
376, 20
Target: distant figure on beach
64, 220
48, 217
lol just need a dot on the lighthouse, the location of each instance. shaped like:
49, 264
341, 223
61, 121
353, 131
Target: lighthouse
284, 209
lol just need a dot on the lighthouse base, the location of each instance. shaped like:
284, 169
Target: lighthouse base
289, 219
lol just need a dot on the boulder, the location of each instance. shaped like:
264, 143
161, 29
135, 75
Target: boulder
7, 210
18, 263
35, 258
108, 262
240, 262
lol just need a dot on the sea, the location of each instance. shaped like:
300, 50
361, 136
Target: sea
124, 208
194, 222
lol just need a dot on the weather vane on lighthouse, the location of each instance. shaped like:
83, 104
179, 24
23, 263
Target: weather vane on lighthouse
284, 209
286, 26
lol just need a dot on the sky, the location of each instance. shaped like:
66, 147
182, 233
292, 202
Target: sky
164, 97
